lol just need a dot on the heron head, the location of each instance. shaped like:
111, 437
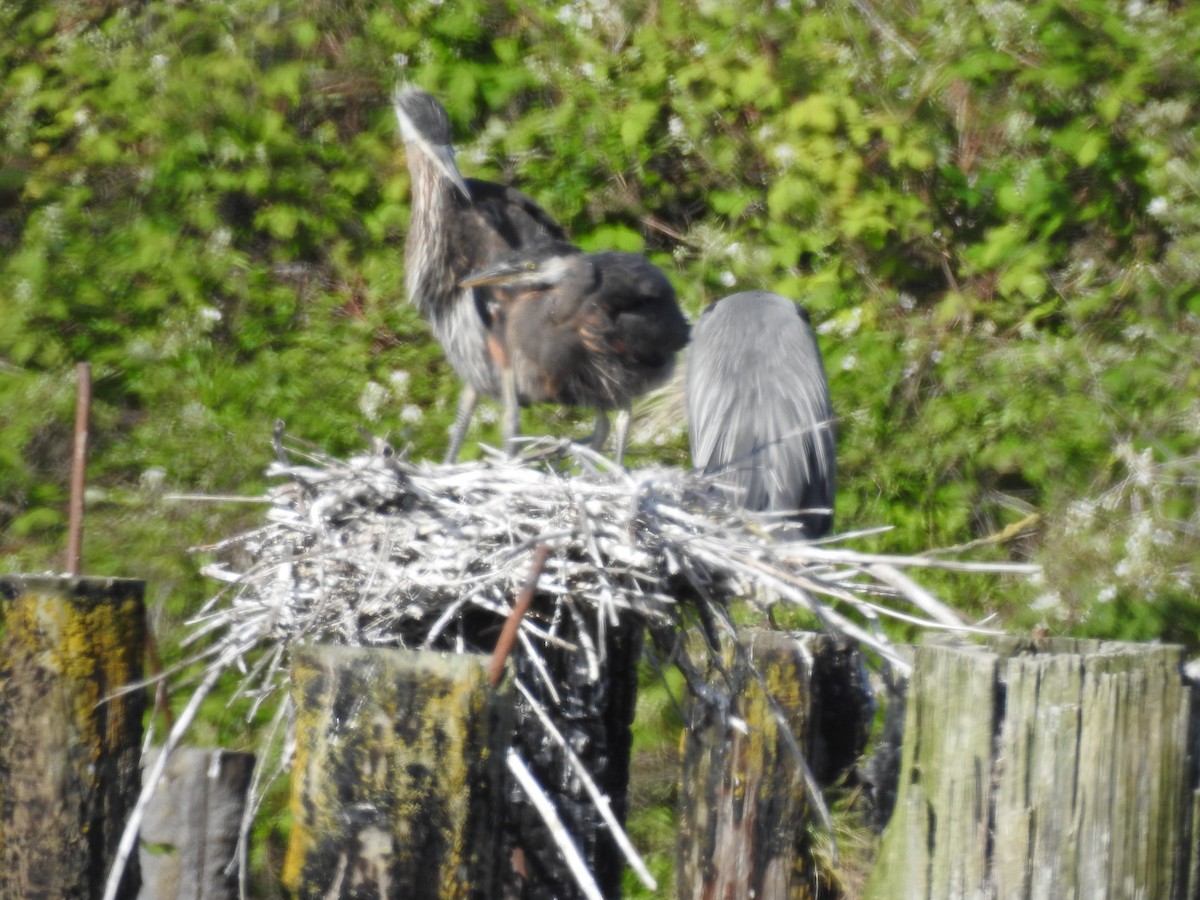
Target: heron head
425, 128
538, 267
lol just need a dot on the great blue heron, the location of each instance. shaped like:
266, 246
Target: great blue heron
457, 226
758, 409
580, 329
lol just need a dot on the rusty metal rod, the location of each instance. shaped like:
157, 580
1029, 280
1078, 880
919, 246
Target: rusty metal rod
83, 411
508, 634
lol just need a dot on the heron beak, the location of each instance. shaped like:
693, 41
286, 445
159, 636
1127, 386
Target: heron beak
443, 160
503, 273
441, 155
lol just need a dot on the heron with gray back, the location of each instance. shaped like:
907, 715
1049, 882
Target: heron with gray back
758, 409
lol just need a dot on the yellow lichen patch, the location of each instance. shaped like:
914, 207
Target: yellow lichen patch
93, 643
387, 743
309, 722
71, 745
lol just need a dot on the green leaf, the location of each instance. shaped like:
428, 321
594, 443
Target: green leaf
508, 50
817, 112
305, 32
790, 195
636, 122
1026, 282
280, 220
35, 521
1090, 148
613, 237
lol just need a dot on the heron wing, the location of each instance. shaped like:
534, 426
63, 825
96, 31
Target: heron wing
635, 305
512, 216
758, 406
498, 221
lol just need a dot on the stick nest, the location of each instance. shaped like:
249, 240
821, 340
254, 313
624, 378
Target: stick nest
377, 550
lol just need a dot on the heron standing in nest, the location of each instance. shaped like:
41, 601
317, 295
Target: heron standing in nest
758, 408
580, 329
458, 226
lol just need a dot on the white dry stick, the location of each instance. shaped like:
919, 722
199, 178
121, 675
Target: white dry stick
822, 553
878, 610
920, 597
545, 809
257, 791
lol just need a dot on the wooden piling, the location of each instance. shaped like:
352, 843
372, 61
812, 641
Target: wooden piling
187, 846
397, 784
746, 802
68, 745
1051, 768
593, 710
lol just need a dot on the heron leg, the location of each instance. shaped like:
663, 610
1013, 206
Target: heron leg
462, 419
600, 432
624, 417
511, 425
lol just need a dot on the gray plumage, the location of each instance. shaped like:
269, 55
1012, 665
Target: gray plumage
758, 407
458, 226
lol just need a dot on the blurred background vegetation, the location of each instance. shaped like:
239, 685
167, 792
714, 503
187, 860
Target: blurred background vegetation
990, 210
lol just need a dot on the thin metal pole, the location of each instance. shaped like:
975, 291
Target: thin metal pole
83, 410
508, 634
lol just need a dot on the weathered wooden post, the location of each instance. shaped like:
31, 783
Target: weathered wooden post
594, 712
69, 744
1041, 768
187, 845
745, 805
397, 785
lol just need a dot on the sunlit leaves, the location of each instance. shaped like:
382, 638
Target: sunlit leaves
979, 205
636, 122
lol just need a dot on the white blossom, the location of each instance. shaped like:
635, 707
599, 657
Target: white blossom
399, 381
371, 400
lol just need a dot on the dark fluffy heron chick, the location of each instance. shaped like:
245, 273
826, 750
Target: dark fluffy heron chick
758, 408
580, 329
458, 226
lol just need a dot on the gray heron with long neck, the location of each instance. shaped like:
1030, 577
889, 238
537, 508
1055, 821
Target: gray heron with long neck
579, 329
457, 226
758, 410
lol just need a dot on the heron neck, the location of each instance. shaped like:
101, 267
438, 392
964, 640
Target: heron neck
429, 274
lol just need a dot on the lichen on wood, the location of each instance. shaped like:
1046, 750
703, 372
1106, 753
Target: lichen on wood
747, 775
1053, 768
69, 738
398, 774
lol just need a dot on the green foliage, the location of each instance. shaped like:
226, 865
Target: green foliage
654, 777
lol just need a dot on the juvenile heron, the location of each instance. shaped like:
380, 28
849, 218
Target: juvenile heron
758, 407
580, 329
458, 226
